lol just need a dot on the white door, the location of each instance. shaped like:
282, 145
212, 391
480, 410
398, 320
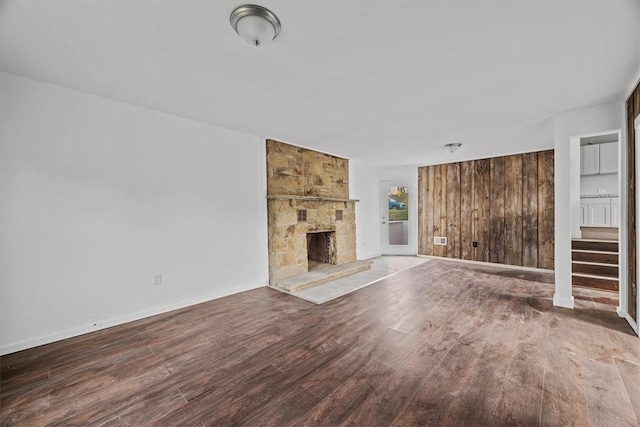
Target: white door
397, 218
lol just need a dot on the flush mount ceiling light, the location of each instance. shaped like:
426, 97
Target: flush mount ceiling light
452, 147
255, 24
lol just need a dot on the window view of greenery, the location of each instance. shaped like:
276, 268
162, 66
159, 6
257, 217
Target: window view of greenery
398, 203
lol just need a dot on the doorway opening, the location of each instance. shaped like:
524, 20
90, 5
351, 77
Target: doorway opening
595, 251
398, 217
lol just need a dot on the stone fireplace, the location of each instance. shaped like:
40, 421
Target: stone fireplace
311, 218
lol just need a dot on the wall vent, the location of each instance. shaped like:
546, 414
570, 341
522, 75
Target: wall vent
442, 241
302, 215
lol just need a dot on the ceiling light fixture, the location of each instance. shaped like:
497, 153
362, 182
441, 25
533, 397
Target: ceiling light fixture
452, 146
255, 24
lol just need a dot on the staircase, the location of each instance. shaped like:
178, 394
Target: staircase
594, 263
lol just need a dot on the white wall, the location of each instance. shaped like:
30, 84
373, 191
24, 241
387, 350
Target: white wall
364, 185
98, 195
591, 184
575, 123
398, 173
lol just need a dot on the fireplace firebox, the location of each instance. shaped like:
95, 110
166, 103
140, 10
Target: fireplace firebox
321, 248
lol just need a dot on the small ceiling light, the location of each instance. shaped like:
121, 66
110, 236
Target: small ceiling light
452, 146
255, 24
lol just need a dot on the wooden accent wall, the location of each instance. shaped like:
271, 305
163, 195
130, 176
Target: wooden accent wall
504, 204
633, 110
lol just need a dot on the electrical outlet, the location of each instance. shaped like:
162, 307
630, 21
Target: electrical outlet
157, 279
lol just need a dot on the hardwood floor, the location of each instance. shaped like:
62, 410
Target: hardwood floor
441, 343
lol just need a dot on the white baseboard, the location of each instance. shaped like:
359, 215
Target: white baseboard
563, 302
576, 233
633, 323
81, 330
366, 256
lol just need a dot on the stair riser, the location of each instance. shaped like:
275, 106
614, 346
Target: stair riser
598, 270
596, 283
595, 257
595, 246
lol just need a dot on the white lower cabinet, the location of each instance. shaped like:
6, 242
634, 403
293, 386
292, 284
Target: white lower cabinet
599, 215
584, 216
615, 212
600, 212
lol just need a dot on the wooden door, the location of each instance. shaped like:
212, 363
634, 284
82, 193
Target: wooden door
633, 139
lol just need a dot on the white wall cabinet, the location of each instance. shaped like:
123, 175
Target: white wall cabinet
609, 157
600, 212
589, 160
599, 159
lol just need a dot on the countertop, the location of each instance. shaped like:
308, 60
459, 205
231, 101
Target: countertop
598, 196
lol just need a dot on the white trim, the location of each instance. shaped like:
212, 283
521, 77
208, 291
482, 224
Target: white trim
607, 132
265, 209
622, 227
563, 302
69, 333
623, 235
575, 157
632, 323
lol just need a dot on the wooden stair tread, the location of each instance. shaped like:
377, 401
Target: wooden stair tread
595, 282
602, 257
595, 240
594, 276
605, 264
595, 245
593, 251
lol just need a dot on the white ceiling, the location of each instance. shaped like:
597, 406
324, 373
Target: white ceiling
388, 82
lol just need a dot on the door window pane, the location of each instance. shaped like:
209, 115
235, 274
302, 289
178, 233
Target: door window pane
398, 215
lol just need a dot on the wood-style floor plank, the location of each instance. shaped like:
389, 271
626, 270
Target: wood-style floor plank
441, 343
630, 373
